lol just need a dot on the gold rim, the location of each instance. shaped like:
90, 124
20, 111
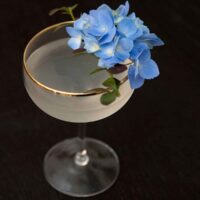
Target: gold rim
95, 91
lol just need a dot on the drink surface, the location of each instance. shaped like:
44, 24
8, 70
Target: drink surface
55, 66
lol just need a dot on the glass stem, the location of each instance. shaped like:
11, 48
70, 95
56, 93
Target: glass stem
82, 131
81, 157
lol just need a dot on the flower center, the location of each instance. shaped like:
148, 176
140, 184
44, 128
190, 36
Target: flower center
95, 47
103, 29
87, 25
110, 52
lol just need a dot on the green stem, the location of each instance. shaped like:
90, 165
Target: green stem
72, 15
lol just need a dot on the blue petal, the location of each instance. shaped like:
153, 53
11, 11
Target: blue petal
125, 44
123, 9
79, 24
93, 13
106, 51
94, 31
145, 56
108, 63
73, 32
136, 35
105, 7
122, 56
138, 49
132, 16
118, 19
116, 39
103, 23
145, 29
138, 22
101, 63
83, 22
91, 45
123, 48
141, 27
127, 28
148, 70
127, 7
136, 81
151, 39
105, 20
94, 17
108, 37
75, 42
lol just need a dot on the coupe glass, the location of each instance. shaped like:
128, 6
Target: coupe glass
60, 84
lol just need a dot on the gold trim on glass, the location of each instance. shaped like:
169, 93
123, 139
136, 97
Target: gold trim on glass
95, 91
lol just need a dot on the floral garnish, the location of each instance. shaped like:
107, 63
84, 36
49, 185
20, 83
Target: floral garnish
115, 37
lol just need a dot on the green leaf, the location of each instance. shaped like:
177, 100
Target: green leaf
113, 83
108, 98
110, 82
64, 10
74, 6
117, 87
96, 70
68, 11
55, 10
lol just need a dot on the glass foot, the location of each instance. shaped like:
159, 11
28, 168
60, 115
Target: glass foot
97, 173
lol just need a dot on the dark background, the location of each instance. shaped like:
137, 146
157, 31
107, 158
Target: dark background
156, 135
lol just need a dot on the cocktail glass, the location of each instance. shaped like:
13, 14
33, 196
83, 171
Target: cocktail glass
60, 84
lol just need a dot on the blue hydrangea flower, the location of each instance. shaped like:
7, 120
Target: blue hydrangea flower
115, 52
115, 36
143, 68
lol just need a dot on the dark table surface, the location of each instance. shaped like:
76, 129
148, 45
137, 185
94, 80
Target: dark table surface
156, 135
